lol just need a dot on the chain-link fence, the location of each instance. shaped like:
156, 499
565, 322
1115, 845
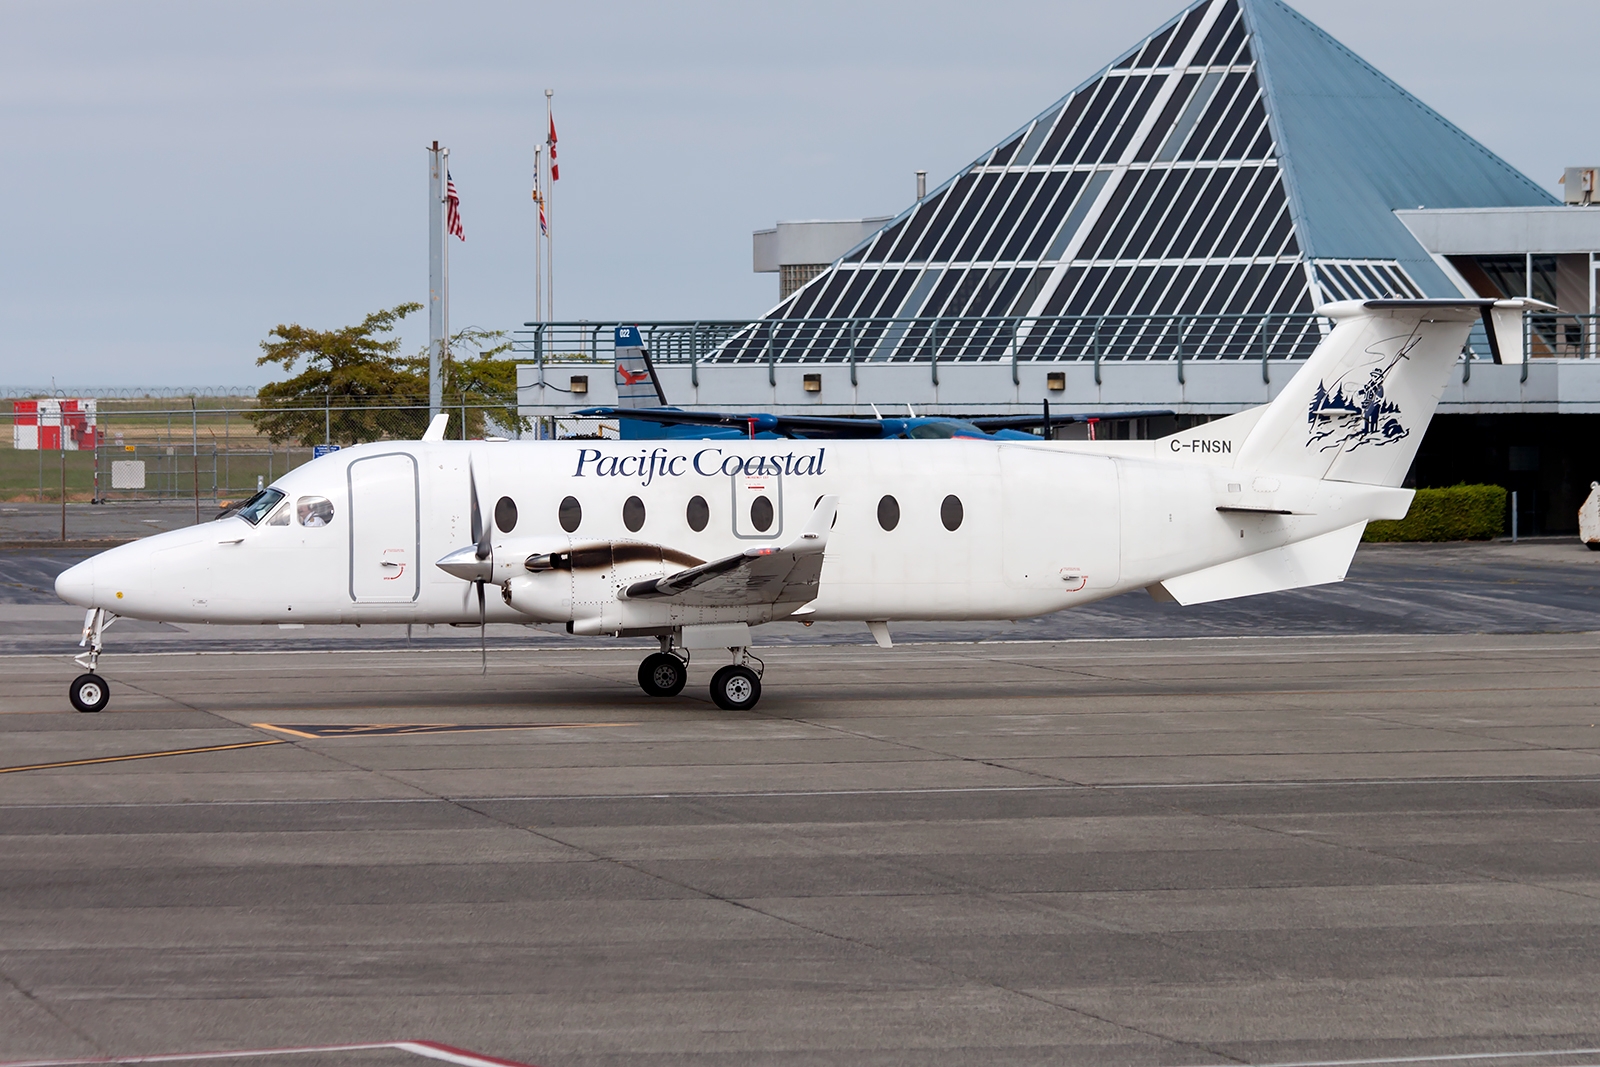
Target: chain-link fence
215, 450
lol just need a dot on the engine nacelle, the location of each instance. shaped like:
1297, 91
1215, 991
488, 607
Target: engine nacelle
546, 597
579, 582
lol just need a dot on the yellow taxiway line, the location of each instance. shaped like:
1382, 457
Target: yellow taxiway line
139, 755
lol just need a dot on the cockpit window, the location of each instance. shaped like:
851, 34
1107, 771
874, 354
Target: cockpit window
281, 516
314, 510
256, 508
944, 428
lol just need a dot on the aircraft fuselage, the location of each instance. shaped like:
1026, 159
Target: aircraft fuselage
959, 529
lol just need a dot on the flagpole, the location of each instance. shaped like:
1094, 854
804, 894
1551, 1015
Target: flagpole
538, 237
550, 207
438, 277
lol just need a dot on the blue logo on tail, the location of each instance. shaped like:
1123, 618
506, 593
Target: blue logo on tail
1350, 415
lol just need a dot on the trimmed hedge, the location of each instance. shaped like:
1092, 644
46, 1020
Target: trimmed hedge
1458, 513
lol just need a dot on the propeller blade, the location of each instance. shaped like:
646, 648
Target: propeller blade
482, 531
477, 516
483, 639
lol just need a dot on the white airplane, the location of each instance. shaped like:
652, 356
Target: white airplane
695, 542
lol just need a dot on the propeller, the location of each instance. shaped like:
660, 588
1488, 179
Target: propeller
475, 563
483, 552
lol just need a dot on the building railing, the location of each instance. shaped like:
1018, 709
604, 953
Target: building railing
1003, 339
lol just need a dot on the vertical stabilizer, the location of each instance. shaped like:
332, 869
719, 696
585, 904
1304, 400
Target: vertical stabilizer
637, 386
1357, 410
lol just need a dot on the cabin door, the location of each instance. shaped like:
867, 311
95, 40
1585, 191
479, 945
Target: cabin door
758, 506
384, 525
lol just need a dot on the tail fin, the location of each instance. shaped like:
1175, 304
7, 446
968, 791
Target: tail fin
637, 386
1357, 410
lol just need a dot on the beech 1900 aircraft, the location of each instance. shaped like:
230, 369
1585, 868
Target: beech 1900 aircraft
694, 542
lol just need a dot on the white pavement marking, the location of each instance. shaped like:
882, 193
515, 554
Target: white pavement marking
430, 1049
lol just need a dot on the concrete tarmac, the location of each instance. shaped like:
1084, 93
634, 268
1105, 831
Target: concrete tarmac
1152, 851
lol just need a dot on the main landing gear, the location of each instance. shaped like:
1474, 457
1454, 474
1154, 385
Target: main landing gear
89, 692
735, 687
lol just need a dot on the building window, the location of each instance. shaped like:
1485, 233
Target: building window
791, 276
698, 513
951, 513
888, 512
571, 514
633, 514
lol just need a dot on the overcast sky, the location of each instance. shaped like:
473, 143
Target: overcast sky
181, 177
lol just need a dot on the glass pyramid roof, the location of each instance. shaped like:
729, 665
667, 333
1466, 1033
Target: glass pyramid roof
1238, 161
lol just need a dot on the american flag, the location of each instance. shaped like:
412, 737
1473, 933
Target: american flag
555, 169
452, 219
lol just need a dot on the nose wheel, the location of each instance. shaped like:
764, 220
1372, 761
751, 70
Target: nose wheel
89, 692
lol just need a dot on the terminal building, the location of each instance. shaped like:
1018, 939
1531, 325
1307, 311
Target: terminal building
1159, 238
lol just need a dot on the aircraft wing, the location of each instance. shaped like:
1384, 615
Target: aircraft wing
824, 426
1023, 422
771, 574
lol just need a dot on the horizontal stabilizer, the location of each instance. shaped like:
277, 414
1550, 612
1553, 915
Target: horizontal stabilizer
1314, 561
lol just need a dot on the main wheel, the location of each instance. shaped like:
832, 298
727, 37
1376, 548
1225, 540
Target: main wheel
662, 675
89, 692
735, 688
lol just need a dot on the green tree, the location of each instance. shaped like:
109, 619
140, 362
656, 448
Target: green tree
484, 383
355, 386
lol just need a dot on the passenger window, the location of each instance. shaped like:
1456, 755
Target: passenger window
761, 513
571, 514
951, 513
281, 516
698, 513
888, 512
313, 511
633, 514
505, 514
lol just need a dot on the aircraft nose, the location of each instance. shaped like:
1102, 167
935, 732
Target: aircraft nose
75, 585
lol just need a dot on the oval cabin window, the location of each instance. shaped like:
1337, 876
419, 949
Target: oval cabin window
633, 514
951, 513
888, 512
505, 514
761, 513
698, 513
571, 514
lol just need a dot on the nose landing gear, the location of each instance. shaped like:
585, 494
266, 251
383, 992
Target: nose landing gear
89, 692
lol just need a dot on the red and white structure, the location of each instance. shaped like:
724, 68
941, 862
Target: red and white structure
52, 424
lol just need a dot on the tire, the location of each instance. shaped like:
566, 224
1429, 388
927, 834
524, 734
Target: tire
1594, 546
735, 688
662, 675
89, 692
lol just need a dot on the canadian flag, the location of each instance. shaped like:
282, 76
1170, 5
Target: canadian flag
555, 168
